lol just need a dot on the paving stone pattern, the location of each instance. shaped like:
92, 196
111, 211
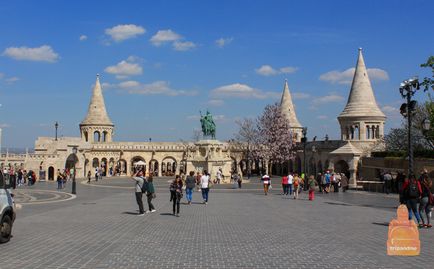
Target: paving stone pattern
237, 229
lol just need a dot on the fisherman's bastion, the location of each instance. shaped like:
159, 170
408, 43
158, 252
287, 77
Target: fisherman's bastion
361, 124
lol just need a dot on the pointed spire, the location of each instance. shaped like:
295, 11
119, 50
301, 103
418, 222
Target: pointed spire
361, 101
97, 114
287, 107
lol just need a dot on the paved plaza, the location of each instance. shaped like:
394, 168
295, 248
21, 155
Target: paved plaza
243, 228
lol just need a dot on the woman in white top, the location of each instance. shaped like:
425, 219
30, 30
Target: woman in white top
204, 184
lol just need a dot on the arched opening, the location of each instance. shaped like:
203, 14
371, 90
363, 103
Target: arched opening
111, 166
243, 167
170, 166
71, 162
51, 173
121, 167
104, 167
96, 136
298, 164
319, 167
153, 167
95, 163
234, 165
86, 167
104, 136
86, 136
182, 166
312, 166
138, 163
326, 165
291, 166
342, 167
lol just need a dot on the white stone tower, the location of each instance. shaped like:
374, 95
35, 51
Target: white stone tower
362, 120
288, 111
97, 126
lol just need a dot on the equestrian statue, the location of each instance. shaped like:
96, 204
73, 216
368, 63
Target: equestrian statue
208, 125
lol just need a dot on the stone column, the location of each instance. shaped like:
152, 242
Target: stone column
362, 130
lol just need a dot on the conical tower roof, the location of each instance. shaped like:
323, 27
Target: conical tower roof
287, 107
97, 114
361, 102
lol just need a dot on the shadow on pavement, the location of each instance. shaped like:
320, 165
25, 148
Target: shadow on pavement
130, 213
381, 223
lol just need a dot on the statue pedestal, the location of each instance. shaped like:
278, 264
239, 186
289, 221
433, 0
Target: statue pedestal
211, 155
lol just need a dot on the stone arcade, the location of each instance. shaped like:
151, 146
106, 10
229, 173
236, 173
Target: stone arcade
361, 123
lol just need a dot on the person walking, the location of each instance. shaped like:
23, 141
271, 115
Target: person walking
239, 180
344, 182
285, 185
296, 185
290, 182
89, 175
327, 178
336, 181
266, 181
387, 177
150, 194
425, 207
311, 185
139, 184
318, 180
400, 178
176, 194
190, 183
412, 191
59, 180
204, 185
96, 174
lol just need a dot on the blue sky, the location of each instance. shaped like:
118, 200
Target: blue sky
161, 62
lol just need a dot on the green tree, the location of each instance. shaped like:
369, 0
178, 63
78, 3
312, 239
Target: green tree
428, 82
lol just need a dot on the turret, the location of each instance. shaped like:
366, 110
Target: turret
361, 119
97, 126
288, 111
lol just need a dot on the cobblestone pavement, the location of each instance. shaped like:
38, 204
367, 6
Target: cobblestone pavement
237, 229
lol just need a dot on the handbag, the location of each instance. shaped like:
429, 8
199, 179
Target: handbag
431, 199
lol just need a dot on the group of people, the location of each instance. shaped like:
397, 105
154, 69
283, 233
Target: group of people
416, 194
20, 177
63, 177
144, 185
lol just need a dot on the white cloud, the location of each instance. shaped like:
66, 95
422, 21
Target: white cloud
322, 117
4, 125
125, 31
268, 70
124, 69
331, 98
241, 91
377, 74
183, 46
42, 54
164, 36
346, 77
154, 88
300, 95
12, 79
1, 75
288, 70
222, 42
216, 102
83, 37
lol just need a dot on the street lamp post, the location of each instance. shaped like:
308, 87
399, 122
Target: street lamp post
74, 184
248, 160
56, 125
407, 89
304, 140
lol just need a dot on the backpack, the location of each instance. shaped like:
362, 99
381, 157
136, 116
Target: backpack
413, 190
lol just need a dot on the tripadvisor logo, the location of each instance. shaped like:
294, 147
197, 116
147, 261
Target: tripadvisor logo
403, 238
